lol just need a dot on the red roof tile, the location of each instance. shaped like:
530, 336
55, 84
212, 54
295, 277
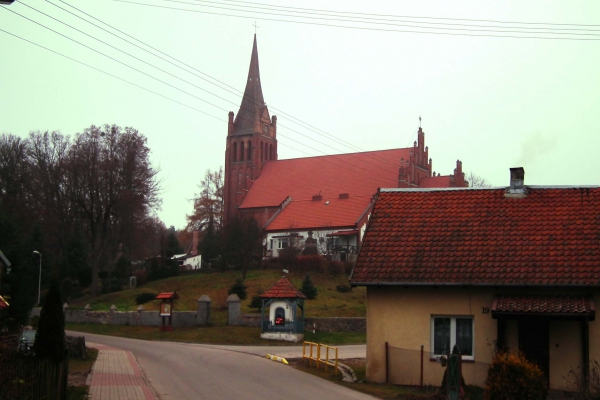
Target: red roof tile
480, 236
168, 295
358, 174
435, 182
308, 214
543, 305
283, 289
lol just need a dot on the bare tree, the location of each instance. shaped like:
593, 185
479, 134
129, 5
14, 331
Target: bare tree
112, 186
476, 181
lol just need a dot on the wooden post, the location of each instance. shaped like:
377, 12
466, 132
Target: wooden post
421, 367
387, 363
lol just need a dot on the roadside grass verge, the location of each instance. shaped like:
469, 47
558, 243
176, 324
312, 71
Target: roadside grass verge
78, 372
329, 302
235, 335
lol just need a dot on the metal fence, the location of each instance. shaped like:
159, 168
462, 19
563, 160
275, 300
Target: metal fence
417, 368
27, 378
296, 326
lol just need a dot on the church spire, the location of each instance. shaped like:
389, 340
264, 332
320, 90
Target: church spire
253, 101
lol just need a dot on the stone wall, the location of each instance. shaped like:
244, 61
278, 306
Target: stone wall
333, 324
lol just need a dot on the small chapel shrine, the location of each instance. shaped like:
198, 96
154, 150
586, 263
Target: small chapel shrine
283, 305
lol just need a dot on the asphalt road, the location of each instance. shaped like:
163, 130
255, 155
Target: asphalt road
194, 371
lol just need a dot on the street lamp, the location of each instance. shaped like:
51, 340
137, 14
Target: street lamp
40, 279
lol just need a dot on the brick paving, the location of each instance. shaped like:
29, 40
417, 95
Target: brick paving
117, 375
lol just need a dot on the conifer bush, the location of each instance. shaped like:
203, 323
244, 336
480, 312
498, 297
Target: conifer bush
256, 302
512, 377
145, 297
239, 288
308, 289
50, 336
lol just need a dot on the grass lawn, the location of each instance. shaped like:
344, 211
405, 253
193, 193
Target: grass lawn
78, 372
236, 335
329, 302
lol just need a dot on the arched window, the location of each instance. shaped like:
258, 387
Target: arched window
240, 177
262, 149
279, 316
234, 151
242, 150
249, 151
270, 152
247, 177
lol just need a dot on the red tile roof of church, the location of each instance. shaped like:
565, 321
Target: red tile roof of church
334, 213
435, 182
358, 174
283, 289
482, 236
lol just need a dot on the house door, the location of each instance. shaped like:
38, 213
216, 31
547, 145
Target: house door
534, 342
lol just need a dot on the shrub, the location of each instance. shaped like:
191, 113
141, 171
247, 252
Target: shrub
50, 336
343, 288
288, 257
309, 263
144, 297
309, 290
238, 288
585, 389
511, 376
141, 276
256, 302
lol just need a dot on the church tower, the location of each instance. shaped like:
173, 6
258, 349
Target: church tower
251, 140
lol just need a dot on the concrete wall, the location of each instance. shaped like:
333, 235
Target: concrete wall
402, 317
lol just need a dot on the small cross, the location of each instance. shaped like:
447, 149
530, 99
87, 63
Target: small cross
419, 121
255, 27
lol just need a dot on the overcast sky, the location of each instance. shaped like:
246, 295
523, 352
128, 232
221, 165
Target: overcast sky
492, 102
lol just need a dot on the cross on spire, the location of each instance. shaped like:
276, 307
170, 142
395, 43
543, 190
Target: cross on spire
255, 27
419, 121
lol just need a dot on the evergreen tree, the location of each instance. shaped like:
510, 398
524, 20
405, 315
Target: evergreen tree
209, 246
50, 336
239, 288
256, 302
308, 289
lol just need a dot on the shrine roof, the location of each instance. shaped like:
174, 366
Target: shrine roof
168, 295
283, 289
545, 236
358, 174
308, 214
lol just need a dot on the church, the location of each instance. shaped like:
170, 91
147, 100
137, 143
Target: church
319, 202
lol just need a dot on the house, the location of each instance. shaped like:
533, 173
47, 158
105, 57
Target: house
514, 267
329, 196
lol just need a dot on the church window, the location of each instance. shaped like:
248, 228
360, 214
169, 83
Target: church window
241, 151
234, 151
270, 152
249, 150
240, 177
266, 128
262, 148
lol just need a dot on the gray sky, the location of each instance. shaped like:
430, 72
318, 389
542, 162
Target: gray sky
493, 103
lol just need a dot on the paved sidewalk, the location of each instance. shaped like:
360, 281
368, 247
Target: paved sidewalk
117, 375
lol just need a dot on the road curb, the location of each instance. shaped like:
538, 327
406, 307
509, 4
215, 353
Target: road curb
277, 358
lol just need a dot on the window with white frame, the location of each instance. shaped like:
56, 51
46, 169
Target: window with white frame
447, 331
283, 243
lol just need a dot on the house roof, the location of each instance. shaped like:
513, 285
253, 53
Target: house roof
358, 174
533, 305
283, 289
309, 214
548, 236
